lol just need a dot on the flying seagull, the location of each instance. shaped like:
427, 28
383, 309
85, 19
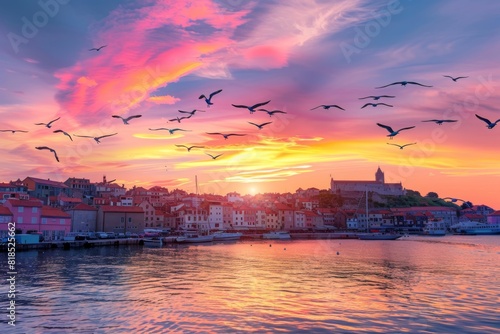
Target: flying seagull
251, 108
191, 112
376, 104
179, 119
214, 156
125, 120
404, 83
260, 126
225, 135
190, 147
272, 112
441, 121
49, 124
65, 133
209, 99
393, 133
97, 49
169, 130
454, 79
376, 97
328, 106
13, 131
489, 125
401, 146
97, 139
50, 149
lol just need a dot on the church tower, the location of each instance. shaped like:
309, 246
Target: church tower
379, 176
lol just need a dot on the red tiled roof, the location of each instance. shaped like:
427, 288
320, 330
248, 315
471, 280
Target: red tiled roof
84, 207
47, 182
70, 199
48, 211
114, 208
24, 202
495, 213
5, 211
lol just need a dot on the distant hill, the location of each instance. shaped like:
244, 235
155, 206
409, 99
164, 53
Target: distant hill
412, 198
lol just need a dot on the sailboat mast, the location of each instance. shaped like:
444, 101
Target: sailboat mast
366, 203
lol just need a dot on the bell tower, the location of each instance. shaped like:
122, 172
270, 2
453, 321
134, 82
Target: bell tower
379, 176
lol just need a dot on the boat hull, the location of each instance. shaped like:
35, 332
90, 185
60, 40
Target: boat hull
227, 236
277, 236
153, 243
379, 236
198, 239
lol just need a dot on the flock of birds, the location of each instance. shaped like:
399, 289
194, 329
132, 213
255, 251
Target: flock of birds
252, 109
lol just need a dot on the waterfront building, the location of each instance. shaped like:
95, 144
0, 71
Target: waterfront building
227, 215
79, 187
25, 213
447, 214
260, 218
43, 189
6, 217
215, 216
494, 217
272, 222
83, 218
313, 220
149, 214
285, 216
120, 219
54, 223
299, 220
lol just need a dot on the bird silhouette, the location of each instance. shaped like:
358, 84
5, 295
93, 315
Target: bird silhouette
189, 147
13, 131
98, 49
125, 120
401, 146
252, 109
179, 119
65, 133
454, 79
393, 133
272, 112
50, 149
49, 124
376, 104
376, 97
404, 83
191, 112
225, 135
209, 99
441, 121
260, 126
489, 125
214, 156
328, 106
169, 130
97, 139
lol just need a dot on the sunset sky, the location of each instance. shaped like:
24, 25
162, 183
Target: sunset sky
160, 56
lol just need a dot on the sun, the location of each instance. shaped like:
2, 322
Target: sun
253, 191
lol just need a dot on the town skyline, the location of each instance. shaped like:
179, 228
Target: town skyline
84, 62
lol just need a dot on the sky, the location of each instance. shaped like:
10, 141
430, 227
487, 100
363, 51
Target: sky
160, 56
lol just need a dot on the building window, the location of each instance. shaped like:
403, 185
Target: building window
20, 220
129, 219
34, 209
44, 220
20, 209
122, 219
33, 220
62, 221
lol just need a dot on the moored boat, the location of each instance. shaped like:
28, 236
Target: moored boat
153, 242
223, 236
378, 236
194, 238
435, 228
278, 235
475, 228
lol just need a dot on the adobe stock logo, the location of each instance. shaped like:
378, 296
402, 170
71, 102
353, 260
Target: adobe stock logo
371, 29
40, 19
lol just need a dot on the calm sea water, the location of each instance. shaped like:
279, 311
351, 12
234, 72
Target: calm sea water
416, 285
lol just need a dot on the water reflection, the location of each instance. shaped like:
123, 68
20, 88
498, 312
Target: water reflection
317, 286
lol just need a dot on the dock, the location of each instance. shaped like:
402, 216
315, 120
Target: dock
73, 244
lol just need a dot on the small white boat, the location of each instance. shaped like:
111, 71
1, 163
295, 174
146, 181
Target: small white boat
153, 242
224, 236
279, 235
378, 236
194, 238
435, 228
